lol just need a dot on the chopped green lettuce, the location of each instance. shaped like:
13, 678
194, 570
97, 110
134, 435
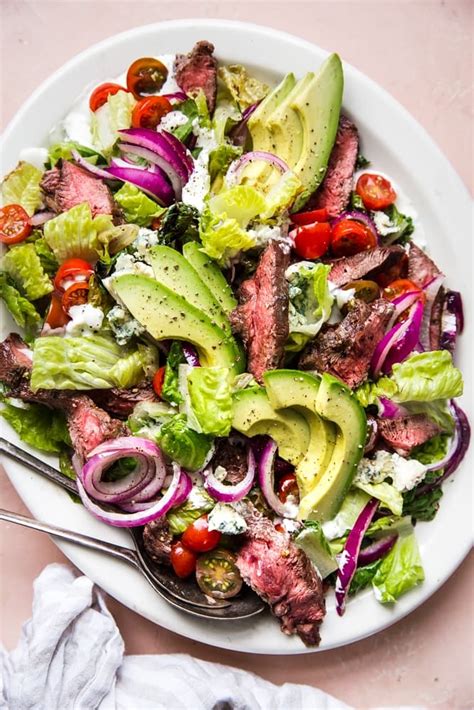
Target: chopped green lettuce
23, 312
396, 225
190, 110
184, 445
38, 426
241, 203
147, 418
226, 113
202, 109
170, 390
369, 392
363, 577
48, 260
23, 265
76, 233
385, 493
222, 238
432, 450
88, 362
425, 506
281, 195
22, 187
136, 206
425, 377
179, 225
245, 89
310, 302
210, 399
219, 160
351, 507
312, 541
183, 515
400, 571
113, 116
63, 151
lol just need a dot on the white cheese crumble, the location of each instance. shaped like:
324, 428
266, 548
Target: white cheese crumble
127, 263
405, 473
341, 298
173, 120
383, 223
146, 238
85, 319
198, 497
226, 520
199, 182
123, 326
263, 234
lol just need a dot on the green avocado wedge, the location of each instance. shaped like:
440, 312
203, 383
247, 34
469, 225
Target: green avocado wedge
166, 315
211, 275
253, 415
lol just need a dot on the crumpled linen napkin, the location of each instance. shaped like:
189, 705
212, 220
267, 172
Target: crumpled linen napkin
70, 657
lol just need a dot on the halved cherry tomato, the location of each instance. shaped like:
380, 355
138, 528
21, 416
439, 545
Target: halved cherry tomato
156, 222
288, 487
375, 191
350, 237
72, 269
158, 380
279, 528
182, 560
149, 112
56, 317
399, 287
146, 76
101, 93
217, 574
75, 295
312, 240
301, 218
199, 538
14, 224
364, 290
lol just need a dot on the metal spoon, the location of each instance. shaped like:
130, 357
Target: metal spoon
181, 593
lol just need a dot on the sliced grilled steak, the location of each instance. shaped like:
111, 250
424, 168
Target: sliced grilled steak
198, 70
404, 433
262, 318
346, 349
335, 190
158, 540
436, 320
120, 402
233, 457
67, 185
421, 269
368, 264
282, 575
15, 360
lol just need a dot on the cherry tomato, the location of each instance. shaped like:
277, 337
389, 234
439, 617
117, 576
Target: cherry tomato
56, 317
375, 191
301, 218
279, 528
199, 538
149, 112
364, 290
350, 237
156, 222
288, 487
14, 224
183, 560
72, 269
217, 574
146, 76
75, 295
312, 240
399, 287
158, 380
101, 93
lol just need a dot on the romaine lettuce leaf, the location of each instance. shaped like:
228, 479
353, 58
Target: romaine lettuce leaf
281, 195
23, 265
425, 377
23, 312
363, 577
384, 492
46, 256
310, 302
226, 113
147, 418
245, 89
136, 206
369, 392
219, 160
190, 110
170, 390
64, 150
88, 362
425, 506
241, 203
183, 515
210, 398
400, 571
38, 426
184, 445
312, 541
22, 187
223, 238
76, 233
113, 116
351, 507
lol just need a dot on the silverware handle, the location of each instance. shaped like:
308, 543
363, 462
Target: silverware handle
14, 452
121, 553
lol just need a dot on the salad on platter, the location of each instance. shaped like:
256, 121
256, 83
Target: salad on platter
232, 335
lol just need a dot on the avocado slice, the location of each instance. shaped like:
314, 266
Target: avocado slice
337, 403
166, 315
299, 390
173, 270
211, 275
252, 415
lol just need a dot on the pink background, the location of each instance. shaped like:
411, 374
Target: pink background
422, 53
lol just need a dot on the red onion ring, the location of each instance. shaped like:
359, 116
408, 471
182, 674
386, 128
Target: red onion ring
185, 486
153, 183
101, 173
399, 342
401, 303
41, 217
267, 481
376, 550
237, 166
173, 176
225, 493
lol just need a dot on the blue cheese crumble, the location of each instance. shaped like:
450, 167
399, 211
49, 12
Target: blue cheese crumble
226, 520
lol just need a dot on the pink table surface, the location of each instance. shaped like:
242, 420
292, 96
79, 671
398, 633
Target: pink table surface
422, 53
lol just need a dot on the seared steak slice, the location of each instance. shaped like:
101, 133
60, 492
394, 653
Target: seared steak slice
368, 264
436, 320
421, 269
15, 360
404, 433
347, 349
335, 190
67, 185
282, 575
198, 70
233, 457
158, 540
262, 318
120, 402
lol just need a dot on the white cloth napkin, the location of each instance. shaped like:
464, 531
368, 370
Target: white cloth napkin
70, 657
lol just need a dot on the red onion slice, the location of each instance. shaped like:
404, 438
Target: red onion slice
159, 144
155, 159
401, 303
154, 184
266, 480
238, 165
350, 554
391, 410
225, 493
376, 550
182, 494
399, 342
41, 217
101, 173
190, 355
180, 150
177, 96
